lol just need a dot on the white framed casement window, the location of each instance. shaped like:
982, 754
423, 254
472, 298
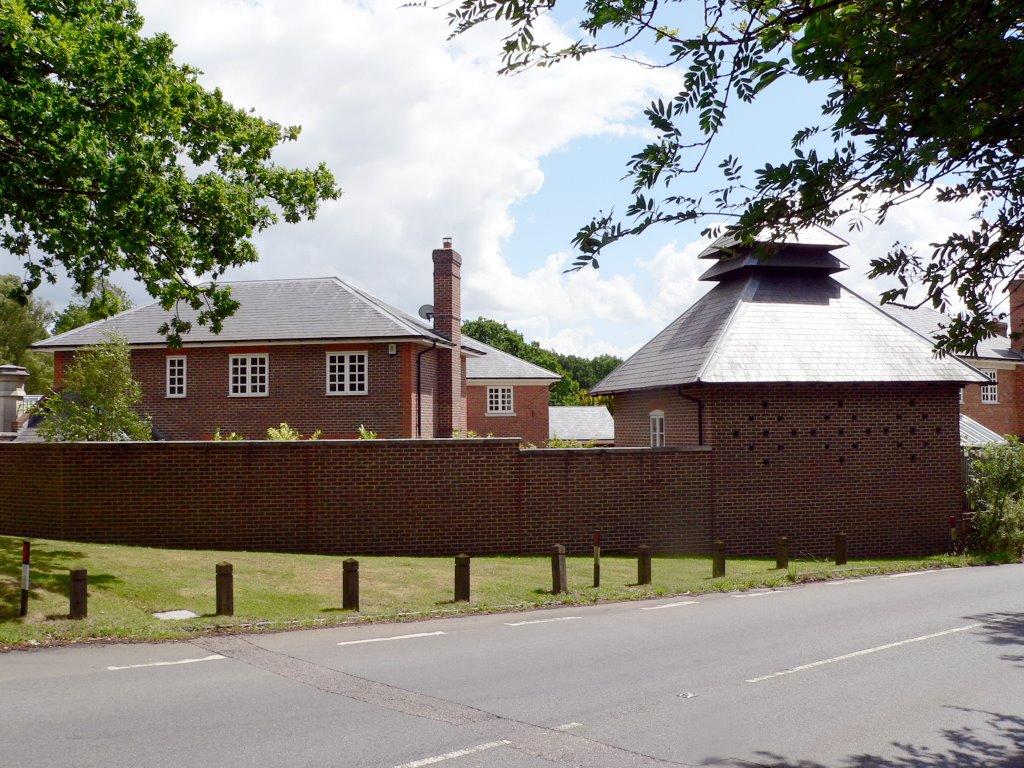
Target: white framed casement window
248, 375
990, 392
346, 373
177, 376
500, 402
657, 429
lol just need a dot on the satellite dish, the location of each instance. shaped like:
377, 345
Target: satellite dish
427, 312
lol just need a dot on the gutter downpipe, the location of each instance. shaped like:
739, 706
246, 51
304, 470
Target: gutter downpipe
700, 414
419, 389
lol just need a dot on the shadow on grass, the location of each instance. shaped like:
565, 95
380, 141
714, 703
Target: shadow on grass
49, 572
997, 741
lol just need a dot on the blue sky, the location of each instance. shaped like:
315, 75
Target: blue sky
427, 141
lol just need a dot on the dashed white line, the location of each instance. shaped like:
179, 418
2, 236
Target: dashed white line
667, 605
453, 755
540, 621
395, 637
758, 594
567, 726
214, 657
864, 652
911, 573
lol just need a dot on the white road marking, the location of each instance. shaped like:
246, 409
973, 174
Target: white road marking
864, 652
668, 605
840, 582
541, 621
453, 755
758, 594
395, 637
214, 657
911, 573
566, 727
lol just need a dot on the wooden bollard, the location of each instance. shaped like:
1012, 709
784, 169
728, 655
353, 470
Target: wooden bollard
225, 589
350, 585
462, 578
718, 559
558, 579
782, 553
840, 549
79, 593
643, 565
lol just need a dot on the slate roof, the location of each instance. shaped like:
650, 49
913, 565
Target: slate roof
496, 364
307, 309
814, 236
768, 324
581, 422
974, 434
928, 322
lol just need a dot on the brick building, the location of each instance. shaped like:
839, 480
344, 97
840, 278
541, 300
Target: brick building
797, 383
320, 354
998, 403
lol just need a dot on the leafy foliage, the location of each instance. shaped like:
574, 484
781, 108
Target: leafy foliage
229, 437
112, 156
578, 373
284, 432
923, 99
98, 398
996, 493
105, 301
21, 324
366, 434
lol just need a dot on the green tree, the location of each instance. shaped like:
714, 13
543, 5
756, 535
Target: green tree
113, 156
20, 326
105, 301
923, 97
98, 398
569, 390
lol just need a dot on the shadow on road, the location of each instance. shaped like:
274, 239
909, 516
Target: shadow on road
995, 741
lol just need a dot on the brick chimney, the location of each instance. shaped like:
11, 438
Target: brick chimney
450, 398
1016, 290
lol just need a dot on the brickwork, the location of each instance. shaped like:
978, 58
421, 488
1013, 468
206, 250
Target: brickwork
529, 422
1002, 417
449, 403
878, 462
633, 424
427, 497
297, 393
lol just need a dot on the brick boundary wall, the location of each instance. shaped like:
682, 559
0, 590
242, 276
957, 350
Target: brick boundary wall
372, 497
424, 497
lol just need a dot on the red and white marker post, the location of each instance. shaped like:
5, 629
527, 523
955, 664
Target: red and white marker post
26, 551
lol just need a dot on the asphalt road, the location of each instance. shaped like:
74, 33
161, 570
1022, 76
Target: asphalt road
914, 671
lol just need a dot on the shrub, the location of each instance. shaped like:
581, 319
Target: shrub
996, 494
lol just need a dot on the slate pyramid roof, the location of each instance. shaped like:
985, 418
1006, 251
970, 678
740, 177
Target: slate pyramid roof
785, 319
297, 310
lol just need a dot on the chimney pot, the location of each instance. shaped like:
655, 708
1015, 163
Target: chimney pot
446, 242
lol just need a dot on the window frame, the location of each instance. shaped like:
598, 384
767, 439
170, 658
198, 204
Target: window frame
346, 389
657, 428
249, 383
170, 383
504, 408
990, 392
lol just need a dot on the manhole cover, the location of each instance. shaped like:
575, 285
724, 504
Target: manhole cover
182, 614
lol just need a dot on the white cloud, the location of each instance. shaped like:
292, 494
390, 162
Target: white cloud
424, 138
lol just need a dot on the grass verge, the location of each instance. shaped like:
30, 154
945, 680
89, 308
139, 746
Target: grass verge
279, 591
